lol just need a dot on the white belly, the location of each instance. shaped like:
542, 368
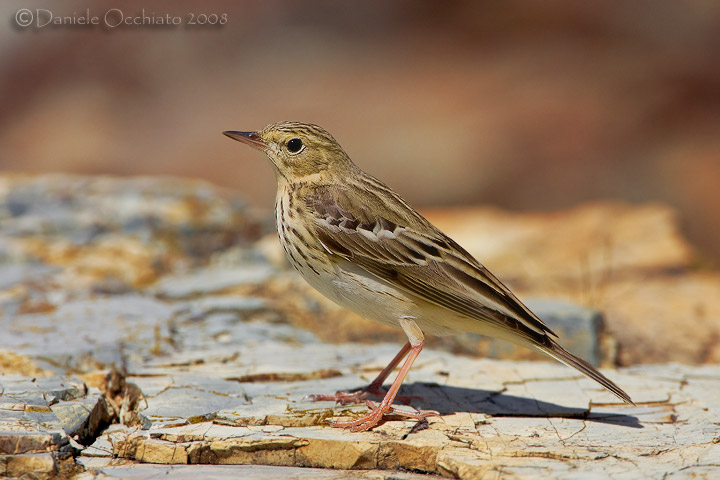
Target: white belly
360, 292
363, 293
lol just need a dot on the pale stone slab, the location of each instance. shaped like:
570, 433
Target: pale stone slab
531, 419
32, 436
539, 419
233, 472
211, 280
86, 331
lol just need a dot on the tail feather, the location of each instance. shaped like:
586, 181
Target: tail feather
563, 356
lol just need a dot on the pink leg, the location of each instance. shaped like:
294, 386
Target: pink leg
347, 398
380, 379
385, 407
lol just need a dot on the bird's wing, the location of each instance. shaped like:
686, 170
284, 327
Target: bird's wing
389, 239
386, 237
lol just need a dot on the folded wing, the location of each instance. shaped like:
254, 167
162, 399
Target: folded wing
390, 240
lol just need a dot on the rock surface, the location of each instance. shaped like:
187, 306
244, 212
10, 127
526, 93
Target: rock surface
165, 280
523, 419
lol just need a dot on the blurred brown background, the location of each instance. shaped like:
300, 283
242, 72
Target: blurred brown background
521, 105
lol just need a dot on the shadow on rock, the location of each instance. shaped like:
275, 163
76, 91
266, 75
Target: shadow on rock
448, 400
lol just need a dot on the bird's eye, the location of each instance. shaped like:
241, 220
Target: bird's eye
294, 145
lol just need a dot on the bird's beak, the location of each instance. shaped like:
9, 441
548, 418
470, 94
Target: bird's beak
249, 138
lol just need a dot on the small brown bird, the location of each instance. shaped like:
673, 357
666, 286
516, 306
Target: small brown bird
361, 245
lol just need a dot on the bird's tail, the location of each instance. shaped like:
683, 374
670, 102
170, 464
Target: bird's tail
561, 355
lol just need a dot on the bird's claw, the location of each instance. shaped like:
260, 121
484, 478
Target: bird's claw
377, 412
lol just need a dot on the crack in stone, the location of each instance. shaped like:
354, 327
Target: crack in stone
562, 441
286, 377
584, 426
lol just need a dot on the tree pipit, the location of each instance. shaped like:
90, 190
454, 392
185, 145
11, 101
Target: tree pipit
361, 245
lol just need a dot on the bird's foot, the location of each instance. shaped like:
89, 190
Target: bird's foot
377, 412
359, 396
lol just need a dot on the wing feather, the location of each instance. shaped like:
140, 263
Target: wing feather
413, 255
402, 248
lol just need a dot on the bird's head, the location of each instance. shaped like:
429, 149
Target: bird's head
298, 150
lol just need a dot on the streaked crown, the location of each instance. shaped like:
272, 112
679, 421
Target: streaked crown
298, 150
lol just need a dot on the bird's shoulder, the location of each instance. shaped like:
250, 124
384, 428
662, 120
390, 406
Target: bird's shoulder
366, 203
